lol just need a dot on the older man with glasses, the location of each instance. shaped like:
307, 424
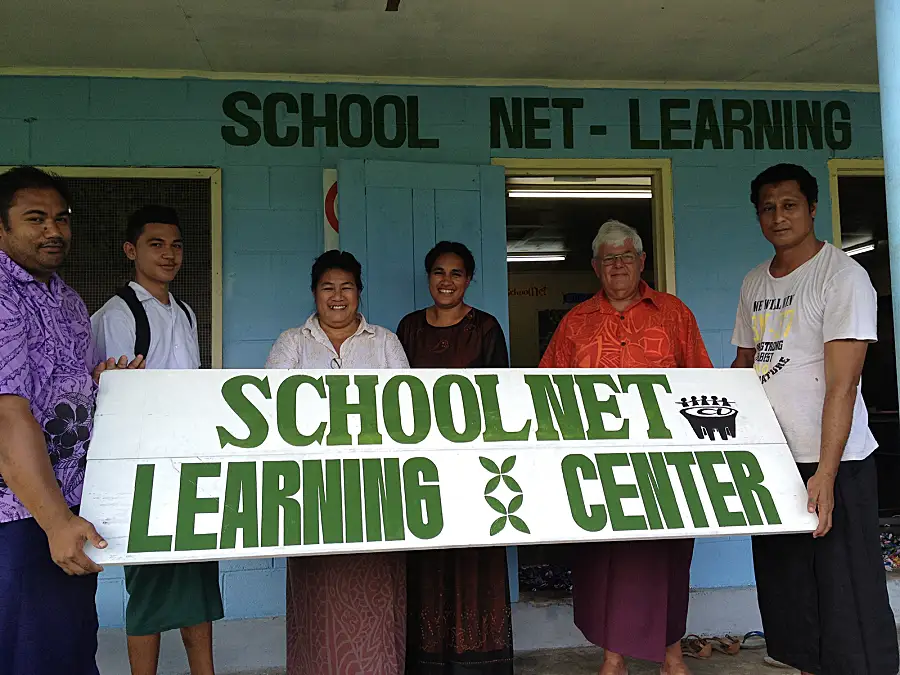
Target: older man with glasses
631, 598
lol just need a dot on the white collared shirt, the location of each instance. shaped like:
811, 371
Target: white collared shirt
173, 340
308, 347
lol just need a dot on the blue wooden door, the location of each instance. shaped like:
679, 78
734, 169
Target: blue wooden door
392, 213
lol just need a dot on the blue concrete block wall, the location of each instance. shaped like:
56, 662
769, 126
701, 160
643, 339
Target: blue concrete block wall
272, 214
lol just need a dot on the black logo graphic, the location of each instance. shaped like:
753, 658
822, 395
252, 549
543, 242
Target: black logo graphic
710, 414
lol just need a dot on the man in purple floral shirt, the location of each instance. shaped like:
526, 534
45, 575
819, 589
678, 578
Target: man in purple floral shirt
48, 620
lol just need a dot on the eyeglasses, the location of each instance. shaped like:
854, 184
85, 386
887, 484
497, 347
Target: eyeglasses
335, 363
626, 258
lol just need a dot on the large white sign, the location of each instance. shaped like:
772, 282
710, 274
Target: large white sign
200, 465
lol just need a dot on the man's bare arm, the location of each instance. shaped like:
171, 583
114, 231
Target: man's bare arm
744, 357
25, 466
844, 361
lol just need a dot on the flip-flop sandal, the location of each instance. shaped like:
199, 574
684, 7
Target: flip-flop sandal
753, 640
696, 647
769, 661
727, 644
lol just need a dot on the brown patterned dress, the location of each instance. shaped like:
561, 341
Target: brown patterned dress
459, 619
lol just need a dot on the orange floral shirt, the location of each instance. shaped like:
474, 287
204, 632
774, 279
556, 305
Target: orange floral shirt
658, 331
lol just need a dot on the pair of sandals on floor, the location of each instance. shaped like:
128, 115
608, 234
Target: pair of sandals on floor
698, 647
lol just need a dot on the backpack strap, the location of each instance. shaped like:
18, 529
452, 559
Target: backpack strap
185, 310
141, 323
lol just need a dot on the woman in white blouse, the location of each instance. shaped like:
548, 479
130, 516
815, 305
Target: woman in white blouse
345, 613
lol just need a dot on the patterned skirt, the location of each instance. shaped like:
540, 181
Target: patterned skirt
459, 615
346, 614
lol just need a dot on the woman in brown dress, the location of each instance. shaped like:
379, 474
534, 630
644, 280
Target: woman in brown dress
459, 619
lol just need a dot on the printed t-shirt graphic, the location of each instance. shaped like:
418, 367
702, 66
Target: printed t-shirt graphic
788, 320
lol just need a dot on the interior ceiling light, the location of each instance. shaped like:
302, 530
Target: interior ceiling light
582, 194
536, 258
863, 248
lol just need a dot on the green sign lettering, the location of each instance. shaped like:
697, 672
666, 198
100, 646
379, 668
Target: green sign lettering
287, 410
565, 407
656, 490
718, 490
322, 502
139, 538
240, 511
281, 481
443, 412
367, 409
258, 427
493, 422
748, 480
189, 505
595, 519
616, 492
424, 513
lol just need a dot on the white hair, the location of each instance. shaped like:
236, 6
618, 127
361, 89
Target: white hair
615, 233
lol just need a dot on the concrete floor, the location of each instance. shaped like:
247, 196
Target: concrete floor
587, 662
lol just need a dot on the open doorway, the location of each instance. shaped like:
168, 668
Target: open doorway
860, 229
552, 216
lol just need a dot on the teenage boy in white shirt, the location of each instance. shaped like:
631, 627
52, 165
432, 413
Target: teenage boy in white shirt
804, 321
144, 317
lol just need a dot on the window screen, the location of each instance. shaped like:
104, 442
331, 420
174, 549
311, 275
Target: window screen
96, 266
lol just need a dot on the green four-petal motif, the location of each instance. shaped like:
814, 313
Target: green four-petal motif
506, 512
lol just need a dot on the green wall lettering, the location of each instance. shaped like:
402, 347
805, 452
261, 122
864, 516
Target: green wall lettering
139, 538
421, 406
656, 490
384, 499
311, 121
595, 519
748, 480
565, 410
616, 492
257, 426
382, 129
517, 121
240, 511
634, 126
274, 137
345, 117
493, 422
708, 130
768, 128
737, 115
683, 461
443, 413
645, 385
594, 408
568, 107
510, 122
189, 505
718, 490
424, 512
281, 481
838, 134
533, 123
355, 120
286, 406
367, 409
322, 502
230, 107
669, 124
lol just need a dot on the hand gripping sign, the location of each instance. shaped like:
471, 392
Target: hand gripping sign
207, 465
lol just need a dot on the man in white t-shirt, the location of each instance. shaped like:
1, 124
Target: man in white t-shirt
145, 318
804, 321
